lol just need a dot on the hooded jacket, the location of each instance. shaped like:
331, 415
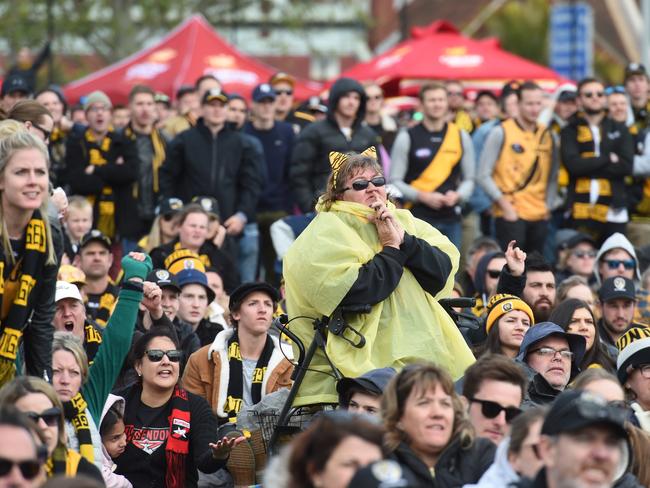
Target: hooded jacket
111, 479
310, 166
500, 474
616, 240
208, 372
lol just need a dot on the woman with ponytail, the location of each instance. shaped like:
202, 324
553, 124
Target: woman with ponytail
27, 259
170, 433
39, 401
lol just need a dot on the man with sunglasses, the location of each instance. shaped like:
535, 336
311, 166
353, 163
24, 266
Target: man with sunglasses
21, 460
551, 357
598, 153
433, 165
493, 389
283, 84
584, 443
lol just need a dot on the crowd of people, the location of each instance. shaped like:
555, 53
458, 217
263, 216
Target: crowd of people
156, 255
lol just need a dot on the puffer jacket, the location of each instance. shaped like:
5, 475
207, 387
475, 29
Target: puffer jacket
310, 168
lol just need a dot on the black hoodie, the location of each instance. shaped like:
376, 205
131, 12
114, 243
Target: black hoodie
310, 166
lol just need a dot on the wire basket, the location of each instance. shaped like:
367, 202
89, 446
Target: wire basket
268, 420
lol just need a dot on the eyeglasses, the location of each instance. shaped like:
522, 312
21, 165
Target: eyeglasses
375, 97
593, 94
29, 468
284, 92
584, 254
46, 133
616, 263
550, 352
50, 416
494, 273
615, 89
645, 370
156, 355
455, 94
491, 409
360, 185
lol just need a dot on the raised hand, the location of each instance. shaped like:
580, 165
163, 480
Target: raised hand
515, 259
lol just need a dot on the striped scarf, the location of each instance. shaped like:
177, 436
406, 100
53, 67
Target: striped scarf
104, 203
28, 271
178, 442
75, 412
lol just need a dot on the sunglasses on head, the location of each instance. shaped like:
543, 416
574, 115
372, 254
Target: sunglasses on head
494, 273
615, 89
360, 185
29, 468
156, 355
491, 409
50, 416
615, 263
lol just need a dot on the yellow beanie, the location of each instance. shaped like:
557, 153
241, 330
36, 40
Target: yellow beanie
501, 304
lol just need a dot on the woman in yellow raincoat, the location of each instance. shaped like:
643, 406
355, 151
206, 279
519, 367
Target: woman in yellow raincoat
361, 250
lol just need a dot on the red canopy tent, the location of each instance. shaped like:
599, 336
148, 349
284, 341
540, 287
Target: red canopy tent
189, 51
440, 51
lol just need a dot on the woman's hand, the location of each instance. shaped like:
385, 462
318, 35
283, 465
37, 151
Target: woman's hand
515, 259
152, 299
221, 449
390, 231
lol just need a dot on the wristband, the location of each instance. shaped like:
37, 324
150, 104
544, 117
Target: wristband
133, 286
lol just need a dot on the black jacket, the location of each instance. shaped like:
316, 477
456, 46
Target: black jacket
628, 480
310, 166
456, 466
601, 166
225, 167
119, 173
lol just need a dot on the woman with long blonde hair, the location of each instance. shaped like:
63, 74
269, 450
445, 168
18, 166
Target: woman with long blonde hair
27, 259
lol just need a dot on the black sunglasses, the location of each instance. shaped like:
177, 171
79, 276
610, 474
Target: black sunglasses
492, 409
46, 133
360, 185
156, 355
493, 273
29, 469
284, 92
50, 416
598, 94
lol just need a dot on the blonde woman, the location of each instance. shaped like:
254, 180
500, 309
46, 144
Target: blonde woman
27, 258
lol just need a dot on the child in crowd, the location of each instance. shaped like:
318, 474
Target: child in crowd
78, 222
113, 435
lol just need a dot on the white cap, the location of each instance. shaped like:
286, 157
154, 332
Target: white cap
66, 290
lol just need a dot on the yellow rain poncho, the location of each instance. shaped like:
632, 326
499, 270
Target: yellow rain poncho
321, 267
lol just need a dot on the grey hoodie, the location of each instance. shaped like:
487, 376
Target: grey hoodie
616, 240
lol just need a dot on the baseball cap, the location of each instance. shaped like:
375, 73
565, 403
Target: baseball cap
15, 83
193, 276
214, 94
95, 236
169, 206
263, 91
66, 290
567, 96
209, 204
573, 240
576, 409
282, 77
164, 279
635, 69
316, 104
162, 98
242, 291
374, 381
385, 473
634, 347
617, 287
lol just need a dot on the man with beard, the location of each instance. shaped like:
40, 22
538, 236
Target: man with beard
539, 292
617, 303
598, 153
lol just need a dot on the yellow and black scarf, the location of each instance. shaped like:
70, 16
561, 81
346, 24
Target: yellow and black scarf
29, 270
159, 153
104, 203
92, 341
75, 412
235, 398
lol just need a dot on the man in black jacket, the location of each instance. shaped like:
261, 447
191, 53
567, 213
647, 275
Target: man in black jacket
342, 131
213, 160
598, 153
